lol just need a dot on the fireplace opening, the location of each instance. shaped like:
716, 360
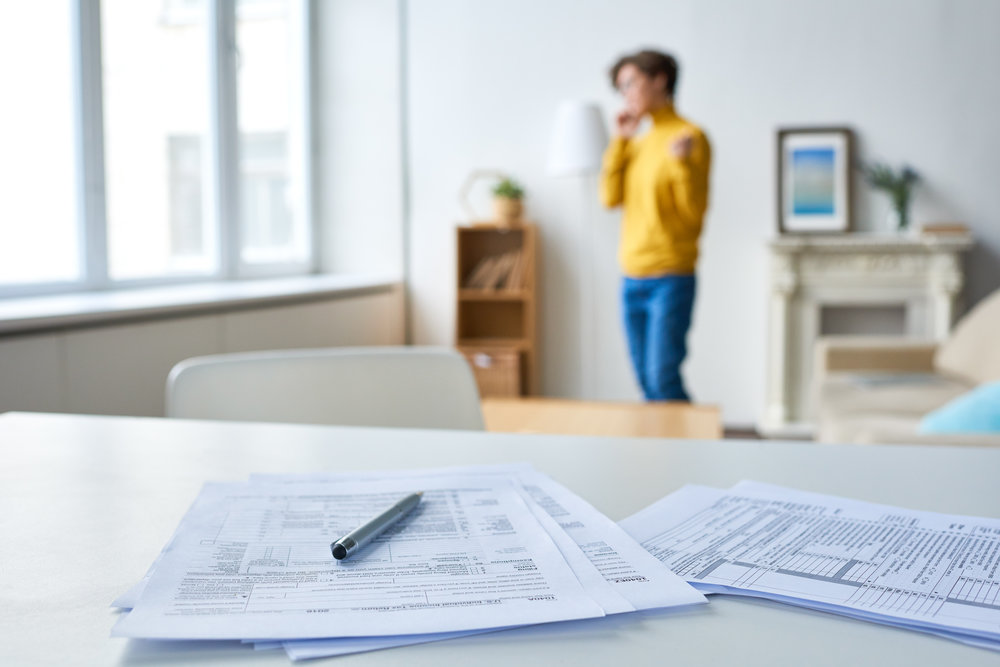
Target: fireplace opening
881, 320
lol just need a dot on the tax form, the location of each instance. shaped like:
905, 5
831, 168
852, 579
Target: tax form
253, 561
921, 570
614, 569
615, 557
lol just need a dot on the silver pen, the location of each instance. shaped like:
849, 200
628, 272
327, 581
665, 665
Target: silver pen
369, 530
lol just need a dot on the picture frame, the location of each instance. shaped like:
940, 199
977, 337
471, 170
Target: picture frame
815, 190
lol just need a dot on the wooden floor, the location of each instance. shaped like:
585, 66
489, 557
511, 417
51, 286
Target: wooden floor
570, 417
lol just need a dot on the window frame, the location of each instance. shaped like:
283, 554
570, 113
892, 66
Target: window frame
223, 183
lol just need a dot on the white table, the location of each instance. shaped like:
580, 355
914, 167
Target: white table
86, 503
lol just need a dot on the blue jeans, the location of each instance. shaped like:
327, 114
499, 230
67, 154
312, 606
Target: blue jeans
657, 318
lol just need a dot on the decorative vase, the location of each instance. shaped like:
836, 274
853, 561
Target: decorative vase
897, 220
507, 211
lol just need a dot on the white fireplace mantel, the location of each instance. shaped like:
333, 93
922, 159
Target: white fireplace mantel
921, 273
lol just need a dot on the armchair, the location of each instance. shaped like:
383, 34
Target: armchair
877, 389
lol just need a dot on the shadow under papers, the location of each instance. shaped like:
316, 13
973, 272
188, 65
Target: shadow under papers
173, 652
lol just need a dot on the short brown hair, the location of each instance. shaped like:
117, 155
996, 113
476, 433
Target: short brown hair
652, 64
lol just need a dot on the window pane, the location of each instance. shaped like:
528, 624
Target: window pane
273, 223
156, 108
39, 230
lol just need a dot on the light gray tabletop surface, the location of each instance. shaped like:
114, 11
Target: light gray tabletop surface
86, 503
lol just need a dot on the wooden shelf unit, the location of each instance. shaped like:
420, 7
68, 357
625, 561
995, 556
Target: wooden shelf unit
503, 318
492, 294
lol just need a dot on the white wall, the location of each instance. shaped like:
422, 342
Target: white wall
919, 81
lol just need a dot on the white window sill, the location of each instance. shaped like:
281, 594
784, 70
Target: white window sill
107, 307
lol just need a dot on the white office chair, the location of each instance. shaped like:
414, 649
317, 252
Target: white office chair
415, 387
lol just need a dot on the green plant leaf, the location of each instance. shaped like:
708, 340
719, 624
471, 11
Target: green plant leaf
509, 189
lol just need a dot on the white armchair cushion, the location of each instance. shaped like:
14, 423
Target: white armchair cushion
903, 394
972, 351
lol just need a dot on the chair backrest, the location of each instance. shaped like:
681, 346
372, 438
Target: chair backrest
414, 387
972, 350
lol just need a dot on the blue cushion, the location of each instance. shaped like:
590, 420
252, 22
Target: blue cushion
978, 411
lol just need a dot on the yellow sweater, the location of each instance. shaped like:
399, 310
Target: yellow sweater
663, 197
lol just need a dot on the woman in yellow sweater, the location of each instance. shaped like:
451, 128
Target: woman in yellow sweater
660, 179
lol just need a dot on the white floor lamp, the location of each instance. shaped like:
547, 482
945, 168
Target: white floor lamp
578, 141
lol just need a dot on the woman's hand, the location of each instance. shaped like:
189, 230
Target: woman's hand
626, 124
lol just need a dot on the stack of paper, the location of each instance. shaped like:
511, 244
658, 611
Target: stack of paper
488, 548
920, 570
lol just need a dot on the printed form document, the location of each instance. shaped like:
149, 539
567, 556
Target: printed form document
613, 567
252, 561
616, 560
920, 570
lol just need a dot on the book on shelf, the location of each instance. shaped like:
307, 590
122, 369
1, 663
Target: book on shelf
497, 271
477, 278
500, 269
515, 280
944, 228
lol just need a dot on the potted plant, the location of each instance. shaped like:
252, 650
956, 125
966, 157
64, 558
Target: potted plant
508, 203
898, 185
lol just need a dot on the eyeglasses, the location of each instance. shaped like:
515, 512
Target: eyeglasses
627, 84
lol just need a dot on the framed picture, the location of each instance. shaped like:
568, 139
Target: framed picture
814, 180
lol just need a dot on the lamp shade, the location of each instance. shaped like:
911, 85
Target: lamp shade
578, 139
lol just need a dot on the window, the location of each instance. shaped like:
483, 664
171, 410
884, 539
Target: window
268, 224
39, 227
274, 228
187, 198
156, 84
166, 140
